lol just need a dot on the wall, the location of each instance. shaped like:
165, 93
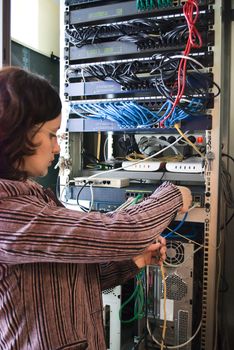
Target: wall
35, 24
35, 34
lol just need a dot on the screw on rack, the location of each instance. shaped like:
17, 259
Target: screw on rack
210, 156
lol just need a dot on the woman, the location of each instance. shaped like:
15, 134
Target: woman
55, 262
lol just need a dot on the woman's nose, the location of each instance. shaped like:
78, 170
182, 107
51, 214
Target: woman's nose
56, 147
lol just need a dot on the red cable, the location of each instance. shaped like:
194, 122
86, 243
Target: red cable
194, 41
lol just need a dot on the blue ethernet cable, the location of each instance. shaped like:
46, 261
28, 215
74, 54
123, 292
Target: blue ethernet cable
129, 114
177, 227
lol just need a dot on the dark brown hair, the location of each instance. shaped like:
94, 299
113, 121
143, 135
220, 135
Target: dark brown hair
26, 100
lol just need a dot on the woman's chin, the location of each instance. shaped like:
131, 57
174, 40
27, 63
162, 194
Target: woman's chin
44, 173
40, 173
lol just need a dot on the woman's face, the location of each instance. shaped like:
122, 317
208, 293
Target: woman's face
38, 163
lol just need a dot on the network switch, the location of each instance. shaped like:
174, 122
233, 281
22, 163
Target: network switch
108, 199
101, 182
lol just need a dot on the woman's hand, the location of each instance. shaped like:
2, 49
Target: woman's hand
155, 254
187, 198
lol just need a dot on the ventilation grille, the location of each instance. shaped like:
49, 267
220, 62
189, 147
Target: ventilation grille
175, 253
183, 327
176, 287
108, 291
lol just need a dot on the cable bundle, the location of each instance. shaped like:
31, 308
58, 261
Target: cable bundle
197, 81
122, 73
145, 33
148, 146
138, 297
191, 12
190, 108
128, 114
136, 30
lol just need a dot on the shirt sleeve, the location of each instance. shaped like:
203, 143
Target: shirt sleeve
117, 272
32, 230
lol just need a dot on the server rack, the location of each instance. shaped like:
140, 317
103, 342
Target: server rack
77, 87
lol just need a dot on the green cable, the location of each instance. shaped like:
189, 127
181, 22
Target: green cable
138, 5
154, 4
123, 306
164, 3
144, 5
169, 2
159, 4
139, 303
151, 4
136, 200
141, 5
138, 294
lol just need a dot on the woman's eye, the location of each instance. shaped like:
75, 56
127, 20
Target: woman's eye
52, 136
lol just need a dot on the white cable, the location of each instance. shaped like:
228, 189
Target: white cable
187, 258
104, 149
180, 56
149, 143
186, 238
188, 58
92, 198
126, 204
133, 163
174, 346
83, 77
194, 206
66, 201
139, 161
148, 325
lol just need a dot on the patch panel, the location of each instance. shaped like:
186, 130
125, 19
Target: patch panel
124, 49
88, 13
85, 125
159, 27
76, 90
145, 65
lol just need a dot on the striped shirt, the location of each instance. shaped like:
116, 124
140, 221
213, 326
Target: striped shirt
54, 263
